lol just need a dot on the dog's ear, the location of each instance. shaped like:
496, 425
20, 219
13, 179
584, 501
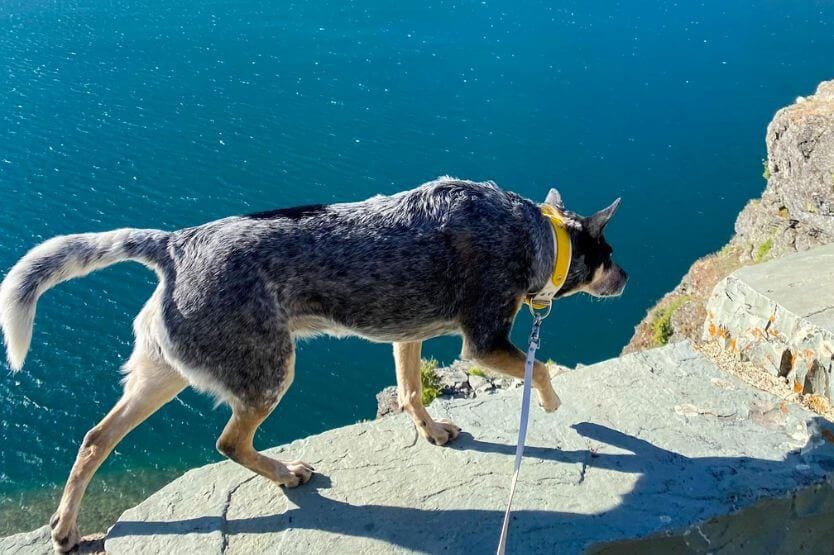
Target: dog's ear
554, 199
596, 224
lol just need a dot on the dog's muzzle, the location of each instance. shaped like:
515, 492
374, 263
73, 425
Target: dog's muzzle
612, 284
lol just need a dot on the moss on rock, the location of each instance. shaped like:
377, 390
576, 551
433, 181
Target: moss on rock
430, 380
763, 250
662, 322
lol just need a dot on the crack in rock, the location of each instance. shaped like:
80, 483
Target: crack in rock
226, 505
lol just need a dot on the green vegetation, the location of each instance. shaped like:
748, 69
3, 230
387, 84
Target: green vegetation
766, 171
763, 250
430, 380
475, 371
662, 322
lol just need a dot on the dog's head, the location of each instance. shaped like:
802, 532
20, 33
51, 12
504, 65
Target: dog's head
592, 270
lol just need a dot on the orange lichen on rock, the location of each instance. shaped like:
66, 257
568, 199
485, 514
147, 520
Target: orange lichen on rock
817, 404
788, 391
718, 331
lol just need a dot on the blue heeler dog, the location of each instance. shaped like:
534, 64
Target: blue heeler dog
449, 257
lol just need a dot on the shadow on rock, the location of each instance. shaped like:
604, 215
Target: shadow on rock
674, 488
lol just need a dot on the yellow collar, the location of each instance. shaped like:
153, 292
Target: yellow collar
562, 252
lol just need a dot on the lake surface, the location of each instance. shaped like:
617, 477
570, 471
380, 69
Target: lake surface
170, 114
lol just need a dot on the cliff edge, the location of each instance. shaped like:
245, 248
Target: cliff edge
656, 451
795, 213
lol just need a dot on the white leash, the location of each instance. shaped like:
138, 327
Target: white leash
525, 417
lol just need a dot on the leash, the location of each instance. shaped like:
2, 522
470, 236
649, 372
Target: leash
525, 415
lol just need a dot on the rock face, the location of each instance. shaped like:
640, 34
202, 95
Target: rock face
780, 315
680, 314
795, 213
656, 450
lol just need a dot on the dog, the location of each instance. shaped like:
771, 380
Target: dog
449, 257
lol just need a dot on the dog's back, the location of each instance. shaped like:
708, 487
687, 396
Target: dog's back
387, 268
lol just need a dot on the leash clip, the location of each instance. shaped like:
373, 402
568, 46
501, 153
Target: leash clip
534, 333
540, 311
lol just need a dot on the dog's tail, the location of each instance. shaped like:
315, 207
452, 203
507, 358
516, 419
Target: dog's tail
62, 258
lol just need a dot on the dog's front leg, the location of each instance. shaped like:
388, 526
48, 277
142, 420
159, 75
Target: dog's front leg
504, 357
410, 395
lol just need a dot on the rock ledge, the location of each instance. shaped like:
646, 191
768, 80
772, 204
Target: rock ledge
780, 316
652, 450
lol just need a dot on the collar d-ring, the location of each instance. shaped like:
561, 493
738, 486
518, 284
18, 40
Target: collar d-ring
541, 311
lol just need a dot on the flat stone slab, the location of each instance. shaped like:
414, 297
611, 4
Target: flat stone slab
780, 315
653, 442
802, 283
654, 451
36, 542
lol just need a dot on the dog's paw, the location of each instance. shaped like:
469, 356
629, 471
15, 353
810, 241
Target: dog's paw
295, 473
549, 402
440, 432
65, 535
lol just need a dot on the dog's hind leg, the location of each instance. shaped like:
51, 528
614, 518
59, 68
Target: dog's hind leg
236, 441
150, 383
410, 395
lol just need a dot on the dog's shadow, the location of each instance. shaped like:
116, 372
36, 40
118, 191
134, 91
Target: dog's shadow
667, 487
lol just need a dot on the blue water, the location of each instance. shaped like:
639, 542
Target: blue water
169, 114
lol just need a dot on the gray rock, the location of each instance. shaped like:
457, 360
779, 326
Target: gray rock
480, 384
37, 542
796, 211
800, 142
387, 402
454, 380
780, 315
646, 448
